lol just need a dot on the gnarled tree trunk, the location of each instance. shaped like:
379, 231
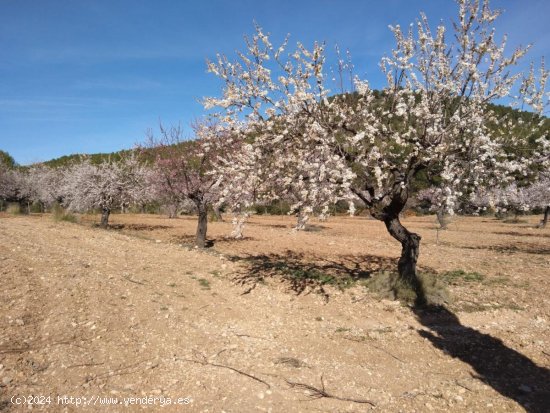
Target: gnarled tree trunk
410, 249
105, 212
410, 242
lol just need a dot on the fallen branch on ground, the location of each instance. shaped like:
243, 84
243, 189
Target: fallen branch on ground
316, 393
205, 362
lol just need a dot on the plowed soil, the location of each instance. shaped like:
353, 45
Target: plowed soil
277, 322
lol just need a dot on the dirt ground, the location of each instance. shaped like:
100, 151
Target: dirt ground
104, 316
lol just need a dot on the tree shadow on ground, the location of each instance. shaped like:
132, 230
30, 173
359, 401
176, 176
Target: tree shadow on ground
507, 371
231, 240
262, 224
522, 234
309, 273
188, 241
136, 227
518, 247
504, 369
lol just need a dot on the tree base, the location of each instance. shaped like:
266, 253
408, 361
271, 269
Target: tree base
433, 292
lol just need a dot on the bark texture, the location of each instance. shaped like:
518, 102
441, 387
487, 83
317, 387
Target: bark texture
410, 249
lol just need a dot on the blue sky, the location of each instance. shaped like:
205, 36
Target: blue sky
83, 76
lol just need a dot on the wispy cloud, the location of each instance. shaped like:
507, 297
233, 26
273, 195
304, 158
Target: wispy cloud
60, 102
87, 54
129, 84
39, 103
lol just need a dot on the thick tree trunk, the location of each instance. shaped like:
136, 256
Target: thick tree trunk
544, 220
410, 249
105, 212
200, 239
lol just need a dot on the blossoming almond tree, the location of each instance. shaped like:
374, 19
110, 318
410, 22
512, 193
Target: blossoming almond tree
42, 184
436, 197
250, 175
183, 169
106, 186
37, 183
434, 112
521, 199
517, 199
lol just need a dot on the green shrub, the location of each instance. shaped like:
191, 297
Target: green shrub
388, 285
456, 276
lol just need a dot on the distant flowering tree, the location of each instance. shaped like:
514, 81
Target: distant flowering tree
441, 202
512, 198
433, 114
249, 176
42, 184
515, 198
23, 186
105, 186
183, 170
37, 183
135, 175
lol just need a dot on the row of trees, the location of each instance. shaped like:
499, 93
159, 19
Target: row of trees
168, 170
278, 132
81, 187
515, 199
